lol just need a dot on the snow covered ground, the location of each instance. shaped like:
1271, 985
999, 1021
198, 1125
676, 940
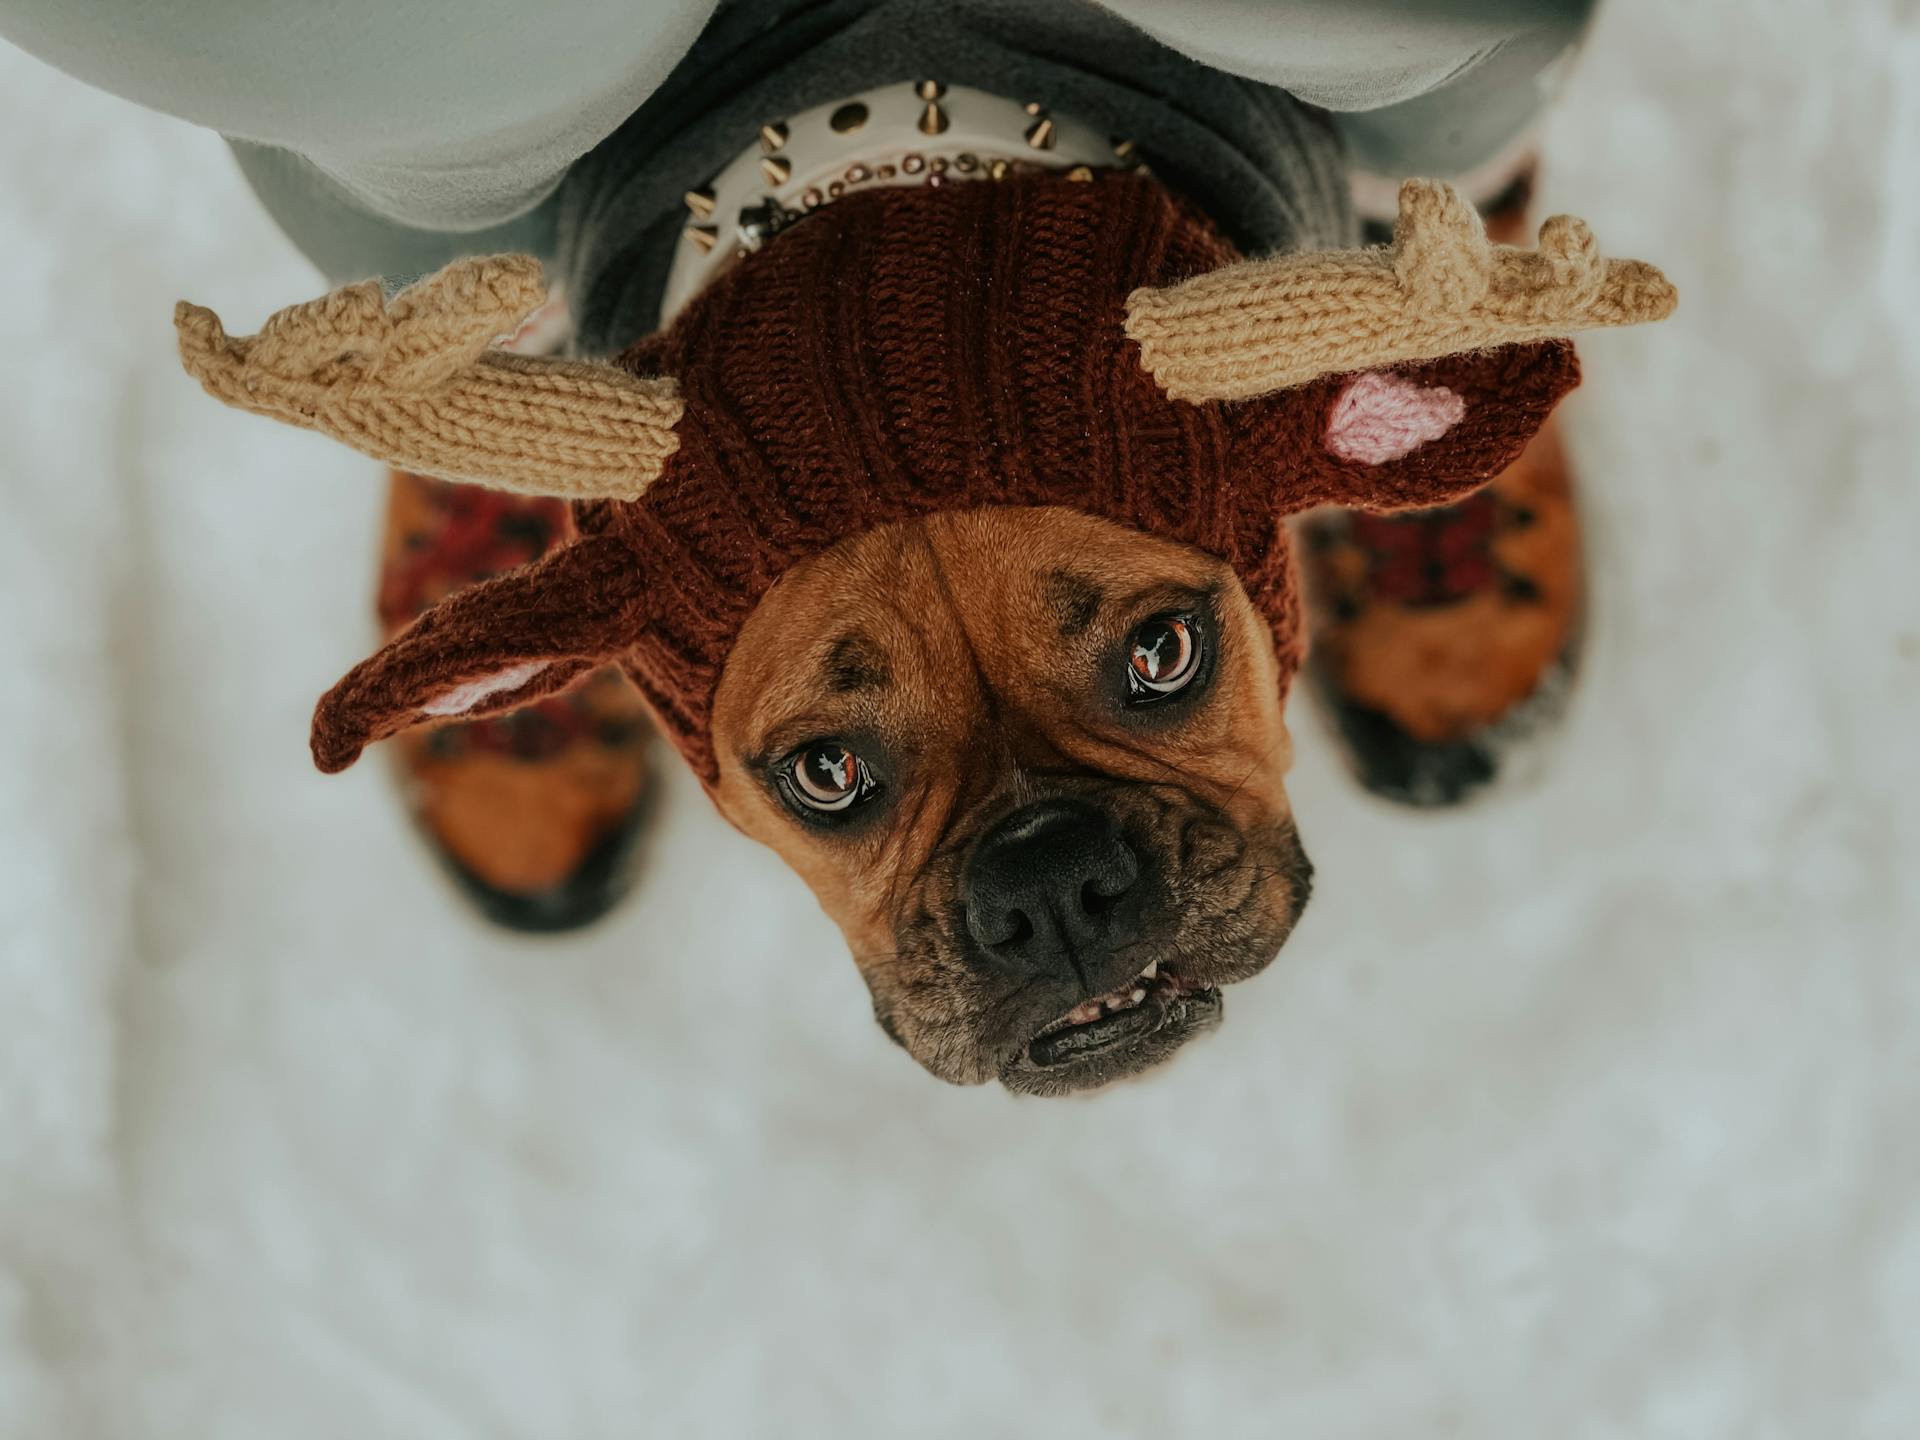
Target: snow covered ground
1592, 1113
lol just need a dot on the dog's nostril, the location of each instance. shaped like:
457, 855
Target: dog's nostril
1094, 902
996, 928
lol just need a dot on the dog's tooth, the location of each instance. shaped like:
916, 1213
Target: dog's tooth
1138, 996
1152, 970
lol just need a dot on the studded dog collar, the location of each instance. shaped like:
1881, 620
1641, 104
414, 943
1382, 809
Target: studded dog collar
926, 133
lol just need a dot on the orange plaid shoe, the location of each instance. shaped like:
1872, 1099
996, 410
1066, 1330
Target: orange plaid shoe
1445, 639
536, 812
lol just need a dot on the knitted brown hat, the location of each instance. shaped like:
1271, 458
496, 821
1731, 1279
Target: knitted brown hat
911, 350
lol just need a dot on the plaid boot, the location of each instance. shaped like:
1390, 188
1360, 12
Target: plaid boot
1445, 639
536, 812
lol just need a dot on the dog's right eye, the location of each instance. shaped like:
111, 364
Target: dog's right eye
826, 778
1163, 657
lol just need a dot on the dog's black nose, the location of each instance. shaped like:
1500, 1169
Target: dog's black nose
1049, 882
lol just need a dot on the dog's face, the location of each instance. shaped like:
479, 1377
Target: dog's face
1032, 763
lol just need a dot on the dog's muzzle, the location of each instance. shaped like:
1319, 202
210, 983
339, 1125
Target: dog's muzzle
1056, 898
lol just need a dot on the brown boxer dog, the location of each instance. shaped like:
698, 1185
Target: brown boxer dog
946, 537
1031, 763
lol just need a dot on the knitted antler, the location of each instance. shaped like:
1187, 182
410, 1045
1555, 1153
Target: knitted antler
416, 383
1439, 289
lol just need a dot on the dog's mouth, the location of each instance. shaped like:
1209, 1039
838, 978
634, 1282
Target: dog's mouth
1131, 1027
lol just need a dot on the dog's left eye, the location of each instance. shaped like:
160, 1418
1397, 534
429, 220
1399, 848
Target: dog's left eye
826, 777
1163, 656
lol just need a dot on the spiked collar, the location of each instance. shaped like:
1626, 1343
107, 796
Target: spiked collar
926, 133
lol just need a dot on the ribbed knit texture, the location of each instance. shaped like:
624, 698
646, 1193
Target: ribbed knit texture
906, 351
916, 350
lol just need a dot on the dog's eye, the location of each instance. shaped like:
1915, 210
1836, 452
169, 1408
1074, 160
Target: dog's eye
827, 777
1163, 656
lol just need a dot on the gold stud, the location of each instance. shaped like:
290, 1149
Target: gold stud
813, 199
858, 173
930, 90
1124, 149
938, 165
999, 169
933, 120
1040, 134
1080, 172
836, 190
1033, 107
700, 202
885, 172
965, 164
773, 136
705, 236
913, 164
777, 170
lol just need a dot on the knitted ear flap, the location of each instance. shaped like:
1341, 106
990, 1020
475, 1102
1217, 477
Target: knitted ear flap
1409, 436
1433, 432
416, 383
489, 648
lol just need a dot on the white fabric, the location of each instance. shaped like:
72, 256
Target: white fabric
462, 698
1590, 1114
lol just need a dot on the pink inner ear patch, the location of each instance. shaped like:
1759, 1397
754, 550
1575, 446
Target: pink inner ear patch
1379, 417
463, 698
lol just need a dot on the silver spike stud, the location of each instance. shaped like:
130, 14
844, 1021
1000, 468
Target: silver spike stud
1040, 134
777, 170
773, 136
700, 202
933, 120
704, 236
930, 90
1125, 150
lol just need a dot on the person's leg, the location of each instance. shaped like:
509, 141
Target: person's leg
1475, 128
1449, 89
1443, 638
384, 138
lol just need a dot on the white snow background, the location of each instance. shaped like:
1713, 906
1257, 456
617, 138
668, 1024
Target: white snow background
1593, 1112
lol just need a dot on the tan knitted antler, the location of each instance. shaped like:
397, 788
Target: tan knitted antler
416, 383
1439, 289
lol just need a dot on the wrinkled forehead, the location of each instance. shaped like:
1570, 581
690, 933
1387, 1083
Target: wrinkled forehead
936, 609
